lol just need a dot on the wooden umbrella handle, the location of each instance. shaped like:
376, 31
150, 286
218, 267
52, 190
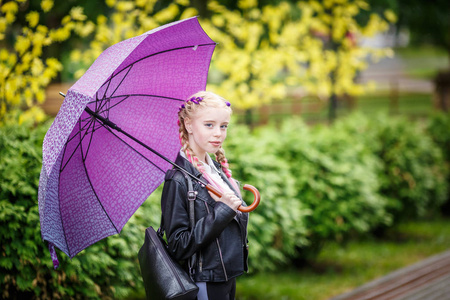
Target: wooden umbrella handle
256, 200
248, 187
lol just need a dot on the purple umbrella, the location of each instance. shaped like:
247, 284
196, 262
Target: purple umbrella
94, 178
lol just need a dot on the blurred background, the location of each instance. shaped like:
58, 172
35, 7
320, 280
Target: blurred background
340, 119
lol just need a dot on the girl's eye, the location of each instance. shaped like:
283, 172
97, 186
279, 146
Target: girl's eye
224, 126
209, 125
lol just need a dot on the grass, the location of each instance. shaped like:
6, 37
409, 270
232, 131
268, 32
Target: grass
411, 104
340, 268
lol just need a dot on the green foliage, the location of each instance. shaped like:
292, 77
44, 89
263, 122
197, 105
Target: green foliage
413, 176
317, 184
107, 269
277, 226
335, 179
438, 128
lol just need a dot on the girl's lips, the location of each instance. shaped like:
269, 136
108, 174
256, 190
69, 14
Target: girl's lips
215, 143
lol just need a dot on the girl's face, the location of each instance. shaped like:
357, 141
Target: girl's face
207, 130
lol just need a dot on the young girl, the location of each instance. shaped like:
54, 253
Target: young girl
219, 237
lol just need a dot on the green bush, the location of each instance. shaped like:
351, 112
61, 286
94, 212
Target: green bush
335, 179
277, 225
105, 270
438, 128
316, 184
413, 174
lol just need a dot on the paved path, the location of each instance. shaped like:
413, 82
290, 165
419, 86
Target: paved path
389, 74
426, 280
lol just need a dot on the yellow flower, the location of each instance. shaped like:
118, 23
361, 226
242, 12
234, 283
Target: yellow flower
22, 44
167, 14
10, 10
390, 16
37, 67
32, 18
86, 29
59, 34
188, 12
34, 114
4, 54
3, 25
363, 4
101, 20
183, 2
76, 13
46, 5
40, 96
66, 20
53, 63
10, 7
78, 74
246, 4
125, 6
110, 3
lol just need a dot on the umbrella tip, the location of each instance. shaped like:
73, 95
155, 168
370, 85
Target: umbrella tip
62, 94
51, 248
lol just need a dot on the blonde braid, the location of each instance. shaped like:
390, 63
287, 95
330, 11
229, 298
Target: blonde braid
186, 148
220, 157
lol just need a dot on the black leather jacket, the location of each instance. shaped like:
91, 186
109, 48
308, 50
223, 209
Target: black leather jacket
219, 238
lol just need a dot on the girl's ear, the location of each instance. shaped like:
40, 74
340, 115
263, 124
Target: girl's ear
188, 125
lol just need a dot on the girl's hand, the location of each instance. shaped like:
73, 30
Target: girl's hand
229, 199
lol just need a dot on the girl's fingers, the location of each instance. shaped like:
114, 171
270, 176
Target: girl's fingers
214, 196
229, 199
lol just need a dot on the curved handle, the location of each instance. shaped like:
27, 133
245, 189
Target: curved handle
256, 200
247, 187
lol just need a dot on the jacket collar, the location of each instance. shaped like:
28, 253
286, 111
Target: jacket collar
185, 164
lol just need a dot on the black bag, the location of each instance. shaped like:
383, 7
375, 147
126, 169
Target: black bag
163, 277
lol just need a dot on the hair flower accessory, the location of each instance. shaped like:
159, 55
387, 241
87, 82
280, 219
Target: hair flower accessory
196, 100
227, 103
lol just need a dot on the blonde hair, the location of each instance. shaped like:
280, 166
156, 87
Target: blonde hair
195, 103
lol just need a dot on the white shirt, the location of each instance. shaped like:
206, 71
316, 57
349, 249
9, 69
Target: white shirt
212, 171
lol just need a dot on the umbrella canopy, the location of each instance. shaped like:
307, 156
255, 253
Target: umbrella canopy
93, 178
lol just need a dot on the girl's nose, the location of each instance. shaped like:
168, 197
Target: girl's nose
217, 131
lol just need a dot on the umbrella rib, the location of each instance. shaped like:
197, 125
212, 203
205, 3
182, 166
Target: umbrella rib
118, 85
81, 140
109, 129
161, 52
93, 190
89, 145
82, 128
104, 94
106, 102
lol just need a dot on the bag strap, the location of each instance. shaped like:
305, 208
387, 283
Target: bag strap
191, 195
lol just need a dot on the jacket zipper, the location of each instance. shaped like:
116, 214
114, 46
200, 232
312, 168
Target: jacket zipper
220, 251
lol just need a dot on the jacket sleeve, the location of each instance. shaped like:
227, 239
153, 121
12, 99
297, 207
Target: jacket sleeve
182, 240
